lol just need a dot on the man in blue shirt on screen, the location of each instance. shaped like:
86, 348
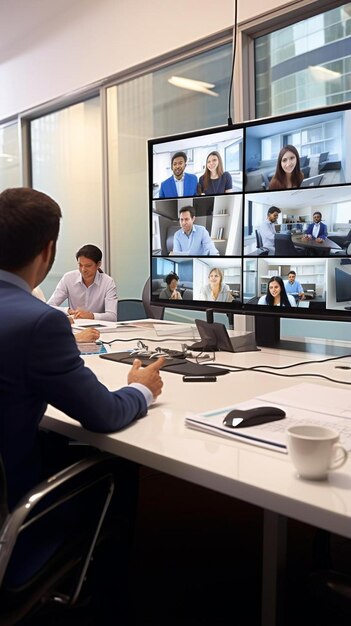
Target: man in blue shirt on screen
293, 287
180, 184
190, 239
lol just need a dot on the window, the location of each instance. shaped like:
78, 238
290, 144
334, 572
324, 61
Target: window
10, 172
305, 65
146, 107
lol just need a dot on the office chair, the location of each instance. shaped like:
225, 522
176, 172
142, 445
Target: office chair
48, 538
130, 309
345, 244
155, 312
284, 246
261, 250
139, 309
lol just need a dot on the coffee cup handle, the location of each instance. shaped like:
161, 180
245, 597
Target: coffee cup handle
340, 458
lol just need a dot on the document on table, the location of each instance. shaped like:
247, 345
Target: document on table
306, 403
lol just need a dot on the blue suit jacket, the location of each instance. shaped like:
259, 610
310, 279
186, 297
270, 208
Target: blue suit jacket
323, 231
168, 188
39, 365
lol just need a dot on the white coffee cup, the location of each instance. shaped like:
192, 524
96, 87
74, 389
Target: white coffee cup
314, 450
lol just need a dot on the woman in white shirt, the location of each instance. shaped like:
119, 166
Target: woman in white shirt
216, 290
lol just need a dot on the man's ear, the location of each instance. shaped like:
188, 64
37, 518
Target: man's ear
47, 251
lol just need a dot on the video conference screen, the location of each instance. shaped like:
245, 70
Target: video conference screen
256, 217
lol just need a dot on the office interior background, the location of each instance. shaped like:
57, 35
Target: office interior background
85, 84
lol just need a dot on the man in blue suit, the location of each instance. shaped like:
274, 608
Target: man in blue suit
180, 184
39, 360
316, 231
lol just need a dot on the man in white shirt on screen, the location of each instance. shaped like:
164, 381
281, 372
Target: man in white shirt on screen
190, 239
267, 229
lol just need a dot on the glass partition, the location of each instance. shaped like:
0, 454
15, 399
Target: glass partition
66, 157
10, 170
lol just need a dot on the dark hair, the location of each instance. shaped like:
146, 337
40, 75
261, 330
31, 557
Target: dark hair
171, 277
29, 220
187, 209
292, 272
220, 169
177, 155
90, 252
317, 213
284, 300
279, 179
273, 209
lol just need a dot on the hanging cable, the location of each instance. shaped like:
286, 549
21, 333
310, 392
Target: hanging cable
230, 121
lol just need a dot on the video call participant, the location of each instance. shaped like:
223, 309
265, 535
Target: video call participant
276, 294
91, 294
267, 229
316, 231
288, 174
170, 292
293, 287
190, 239
215, 180
180, 184
216, 290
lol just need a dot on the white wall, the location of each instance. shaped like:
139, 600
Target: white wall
49, 48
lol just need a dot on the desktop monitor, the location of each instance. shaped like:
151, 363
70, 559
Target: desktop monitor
343, 287
234, 211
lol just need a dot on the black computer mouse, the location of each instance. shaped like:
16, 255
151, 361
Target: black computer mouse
238, 418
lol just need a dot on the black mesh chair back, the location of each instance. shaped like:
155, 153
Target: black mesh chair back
48, 538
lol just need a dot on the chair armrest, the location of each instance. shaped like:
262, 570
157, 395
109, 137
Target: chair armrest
68, 483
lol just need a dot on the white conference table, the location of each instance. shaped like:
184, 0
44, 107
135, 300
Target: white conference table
258, 476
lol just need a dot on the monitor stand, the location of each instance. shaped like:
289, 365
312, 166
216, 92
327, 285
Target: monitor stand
267, 331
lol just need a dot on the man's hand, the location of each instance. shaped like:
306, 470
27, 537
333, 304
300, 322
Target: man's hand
80, 314
87, 335
319, 240
148, 376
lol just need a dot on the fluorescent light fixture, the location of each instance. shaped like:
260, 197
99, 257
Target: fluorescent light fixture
193, 85
322, 73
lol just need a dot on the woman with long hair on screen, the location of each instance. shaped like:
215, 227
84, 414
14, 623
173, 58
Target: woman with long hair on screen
216, 290
276, 294
215, 180
288, 174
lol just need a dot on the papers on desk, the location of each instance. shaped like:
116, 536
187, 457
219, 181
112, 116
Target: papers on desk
306, 403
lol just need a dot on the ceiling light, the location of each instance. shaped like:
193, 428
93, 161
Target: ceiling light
193, 85
322, 73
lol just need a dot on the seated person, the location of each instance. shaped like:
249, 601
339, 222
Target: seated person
316, 231
216, 290
180, 184
267, 229
170, 292
215, 179
87, 335
91, 294
276, 294
288, 174
293, 287
190, 239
